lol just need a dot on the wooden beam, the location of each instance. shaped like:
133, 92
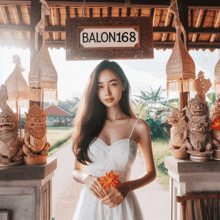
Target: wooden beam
128, 12
198, 23
67, 12
20, 14
109, 11
216, 25
138, 3
191, 12
35, 16
2, 14
56, 28
154, 16
15, 2
195, 4
76, 13
20, 18
7, 14
28, 15
164, 37
192, 45
90, 12
15, 15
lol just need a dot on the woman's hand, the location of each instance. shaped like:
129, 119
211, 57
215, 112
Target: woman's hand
93, 184
116, 196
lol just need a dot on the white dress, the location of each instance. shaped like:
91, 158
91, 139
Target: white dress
118, 157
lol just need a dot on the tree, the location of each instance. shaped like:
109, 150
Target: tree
153, 105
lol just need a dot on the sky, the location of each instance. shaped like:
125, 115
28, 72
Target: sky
141, 73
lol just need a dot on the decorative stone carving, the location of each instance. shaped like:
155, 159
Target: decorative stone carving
179, 134
196, 107
200, 140
200, 143
202, 85
10, 144
35, 141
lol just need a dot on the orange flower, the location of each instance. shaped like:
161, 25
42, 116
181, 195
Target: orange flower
216, 124
110, 180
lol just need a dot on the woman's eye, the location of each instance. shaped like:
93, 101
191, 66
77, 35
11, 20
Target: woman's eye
113, 84
100, 87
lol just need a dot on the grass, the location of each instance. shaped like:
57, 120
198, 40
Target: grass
59, 128
58, 138
160, 151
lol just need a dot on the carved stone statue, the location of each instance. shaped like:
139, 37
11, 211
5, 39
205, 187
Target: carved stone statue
200, 141
10, 144
179, 134
197, 107
35, 140
202, 85
199, 137
179, 130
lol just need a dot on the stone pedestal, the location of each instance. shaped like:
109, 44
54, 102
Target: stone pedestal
26, 191
188, 176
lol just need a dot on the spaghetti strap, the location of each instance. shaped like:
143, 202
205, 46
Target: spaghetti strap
133, 128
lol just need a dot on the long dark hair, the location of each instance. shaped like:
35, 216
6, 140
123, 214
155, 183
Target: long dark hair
91, 114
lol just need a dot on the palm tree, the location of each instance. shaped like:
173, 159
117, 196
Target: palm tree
151, 104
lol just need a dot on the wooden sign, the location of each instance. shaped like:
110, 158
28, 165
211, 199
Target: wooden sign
109, 38
118, 37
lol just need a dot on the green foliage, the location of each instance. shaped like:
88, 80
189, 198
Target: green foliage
152, 105
212, 98
157, 129
160, 151
59, 128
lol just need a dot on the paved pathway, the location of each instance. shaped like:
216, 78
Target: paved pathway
153, 199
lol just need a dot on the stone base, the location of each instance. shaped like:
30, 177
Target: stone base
188, 176
216, 154
200, 156
16, 163
37, 160
26, 191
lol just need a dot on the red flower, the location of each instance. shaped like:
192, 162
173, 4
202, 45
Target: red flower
216, 124
110, 180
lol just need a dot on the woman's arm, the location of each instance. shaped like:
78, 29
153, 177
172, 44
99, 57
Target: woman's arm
142, 136
142, 132
91, 182
78, 175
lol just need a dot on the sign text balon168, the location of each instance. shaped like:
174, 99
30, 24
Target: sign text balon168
109, 37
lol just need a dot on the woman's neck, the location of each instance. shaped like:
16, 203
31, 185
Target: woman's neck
115, 113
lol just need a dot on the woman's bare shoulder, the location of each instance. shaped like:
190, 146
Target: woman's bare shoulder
142, 126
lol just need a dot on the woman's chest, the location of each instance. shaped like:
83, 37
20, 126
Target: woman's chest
121, 153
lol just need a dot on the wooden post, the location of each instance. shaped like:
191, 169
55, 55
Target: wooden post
183, 14
35, 16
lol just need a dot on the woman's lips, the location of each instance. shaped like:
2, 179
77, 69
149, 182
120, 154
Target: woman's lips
109, 100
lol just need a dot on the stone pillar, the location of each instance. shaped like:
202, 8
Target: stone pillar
187, 176
26, 191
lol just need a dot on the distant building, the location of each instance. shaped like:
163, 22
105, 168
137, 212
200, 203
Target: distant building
58, 116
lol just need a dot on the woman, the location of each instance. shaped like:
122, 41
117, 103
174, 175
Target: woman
107, 136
